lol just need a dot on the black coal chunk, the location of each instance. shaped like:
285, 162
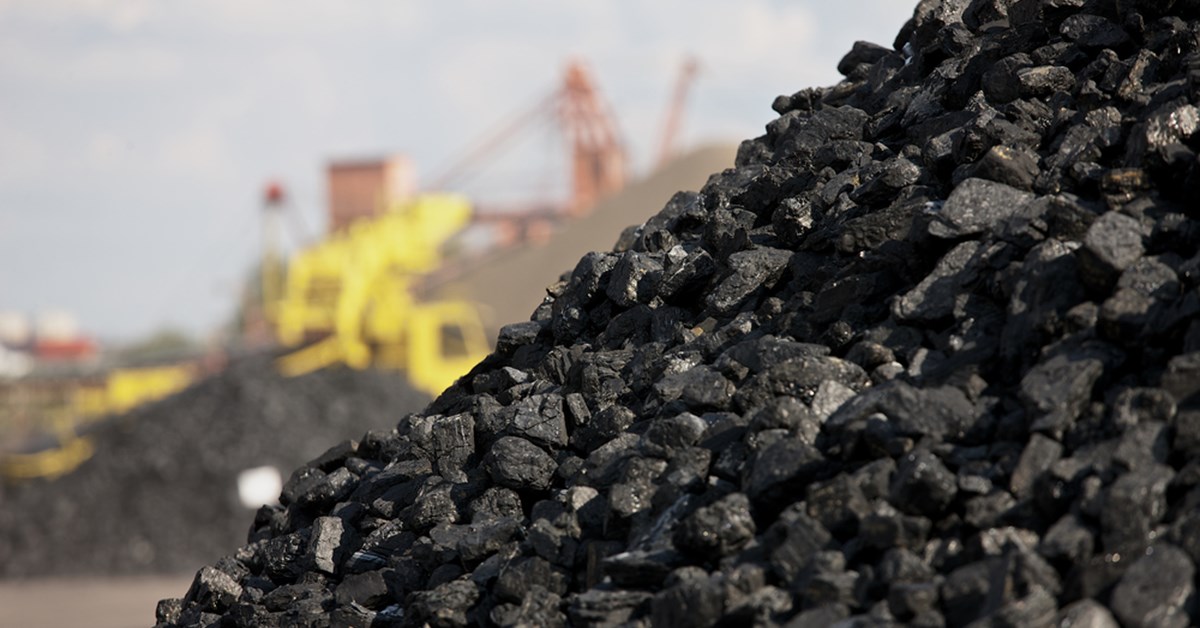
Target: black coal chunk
749, 271
365, 589
1014, 167
697, 387
977, 206
719, 529
863, 53
1157, 590
516, 463
922, 485
781, 468
1112, 244
1056, 390
1093, 31
937, 295
213, 590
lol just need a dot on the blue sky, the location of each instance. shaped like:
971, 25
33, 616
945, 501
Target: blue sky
136, 135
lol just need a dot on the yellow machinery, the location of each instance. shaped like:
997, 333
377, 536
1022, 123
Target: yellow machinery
127, 388
67, 404
72, 451
354, 291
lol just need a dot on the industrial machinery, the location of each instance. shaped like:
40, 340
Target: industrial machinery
65, 406
354, 297
351, 297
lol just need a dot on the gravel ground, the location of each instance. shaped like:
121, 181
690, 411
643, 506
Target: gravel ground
122, 602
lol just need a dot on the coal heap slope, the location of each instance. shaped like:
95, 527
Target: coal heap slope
160, 494
928, 355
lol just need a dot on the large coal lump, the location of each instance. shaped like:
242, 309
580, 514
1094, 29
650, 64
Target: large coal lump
926, 355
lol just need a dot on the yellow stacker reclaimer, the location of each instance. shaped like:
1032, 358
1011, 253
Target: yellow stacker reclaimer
351, 298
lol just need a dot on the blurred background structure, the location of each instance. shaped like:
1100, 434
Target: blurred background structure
291, 187
134, 130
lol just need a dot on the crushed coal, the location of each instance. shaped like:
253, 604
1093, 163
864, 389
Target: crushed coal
927, 355
161, 492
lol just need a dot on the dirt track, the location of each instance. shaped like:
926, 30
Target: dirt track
93, 602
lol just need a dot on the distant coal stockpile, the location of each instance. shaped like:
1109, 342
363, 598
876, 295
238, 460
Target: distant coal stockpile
160, 495
928, 355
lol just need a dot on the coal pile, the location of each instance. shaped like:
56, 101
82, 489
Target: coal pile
928, 355
160, 495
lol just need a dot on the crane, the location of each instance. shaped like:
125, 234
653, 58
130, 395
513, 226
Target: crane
597, 156
675, 107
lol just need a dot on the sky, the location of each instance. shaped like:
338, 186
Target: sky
136, 136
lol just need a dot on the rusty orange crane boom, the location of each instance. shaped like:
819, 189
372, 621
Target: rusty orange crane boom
675, 107
597, 157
